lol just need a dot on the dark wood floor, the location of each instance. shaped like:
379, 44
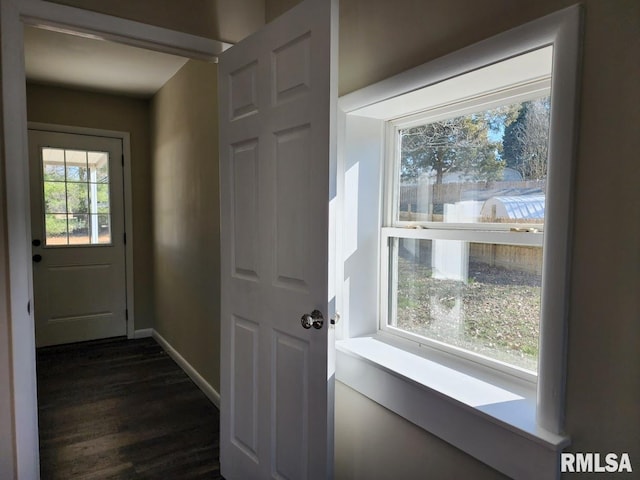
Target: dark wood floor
122, 409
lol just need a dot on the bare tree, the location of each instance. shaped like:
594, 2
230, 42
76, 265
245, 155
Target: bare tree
458, 144
526, 140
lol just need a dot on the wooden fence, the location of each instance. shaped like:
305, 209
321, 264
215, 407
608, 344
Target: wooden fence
438, 194
511, 257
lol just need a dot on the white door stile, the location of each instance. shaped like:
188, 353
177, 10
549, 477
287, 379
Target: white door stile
277, 107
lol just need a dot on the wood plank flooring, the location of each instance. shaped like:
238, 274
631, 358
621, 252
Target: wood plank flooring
122, 409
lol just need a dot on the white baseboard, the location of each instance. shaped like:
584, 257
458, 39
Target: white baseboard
143, 333
202, 384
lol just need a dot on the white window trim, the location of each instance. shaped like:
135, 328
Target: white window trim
523, 442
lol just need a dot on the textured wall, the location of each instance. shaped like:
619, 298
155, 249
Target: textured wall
95, 110
186, 216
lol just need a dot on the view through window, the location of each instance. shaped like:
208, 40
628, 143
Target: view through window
76, 197
466, 227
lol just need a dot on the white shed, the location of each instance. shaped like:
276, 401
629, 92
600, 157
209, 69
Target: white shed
525, 207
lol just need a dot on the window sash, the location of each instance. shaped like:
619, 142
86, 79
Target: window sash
462, 232
517, 234
491, 233
515, 94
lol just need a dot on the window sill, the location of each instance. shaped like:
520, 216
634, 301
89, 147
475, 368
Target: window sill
476, 411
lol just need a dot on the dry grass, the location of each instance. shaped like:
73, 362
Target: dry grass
77, 240
496, 313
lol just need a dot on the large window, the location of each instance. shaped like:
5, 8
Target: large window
464, 222
455, 187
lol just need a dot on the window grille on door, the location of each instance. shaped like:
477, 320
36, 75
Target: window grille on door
76, 197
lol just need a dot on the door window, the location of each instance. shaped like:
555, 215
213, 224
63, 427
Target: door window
76, 197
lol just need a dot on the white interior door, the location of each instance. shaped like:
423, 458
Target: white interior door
277, 96
77, 224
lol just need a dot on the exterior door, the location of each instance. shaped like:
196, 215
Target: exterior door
77, 225
277, 96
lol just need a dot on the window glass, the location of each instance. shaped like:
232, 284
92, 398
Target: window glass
76, 197
481, 297
476, 166
487, 166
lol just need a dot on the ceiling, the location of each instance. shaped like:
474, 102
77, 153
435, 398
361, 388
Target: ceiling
61, 59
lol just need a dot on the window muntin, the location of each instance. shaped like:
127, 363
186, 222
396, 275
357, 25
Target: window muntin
476, 293
76, 197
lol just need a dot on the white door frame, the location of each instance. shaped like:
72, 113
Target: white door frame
18, 397
124, 137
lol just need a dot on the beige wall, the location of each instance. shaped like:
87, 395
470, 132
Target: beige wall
378, 39
373, 443
95, 110
186, 216
275, 8
226, 20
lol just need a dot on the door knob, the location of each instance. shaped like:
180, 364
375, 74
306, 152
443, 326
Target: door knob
314, 319
36, 258
36, 242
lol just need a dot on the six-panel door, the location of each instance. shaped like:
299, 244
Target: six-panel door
276, 102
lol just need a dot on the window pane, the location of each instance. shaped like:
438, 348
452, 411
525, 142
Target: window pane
77, 198
102, 224
484, 298
101, 194
55, 197
79, 229
53, 164
56, 229
76, 163
99, 166
488, 166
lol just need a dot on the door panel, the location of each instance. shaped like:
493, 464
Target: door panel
77, 223
293, 214
244, 399
290, 404
276, 106
245, 182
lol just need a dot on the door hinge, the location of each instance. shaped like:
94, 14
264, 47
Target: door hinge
122, 157
124, 237
126, 314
